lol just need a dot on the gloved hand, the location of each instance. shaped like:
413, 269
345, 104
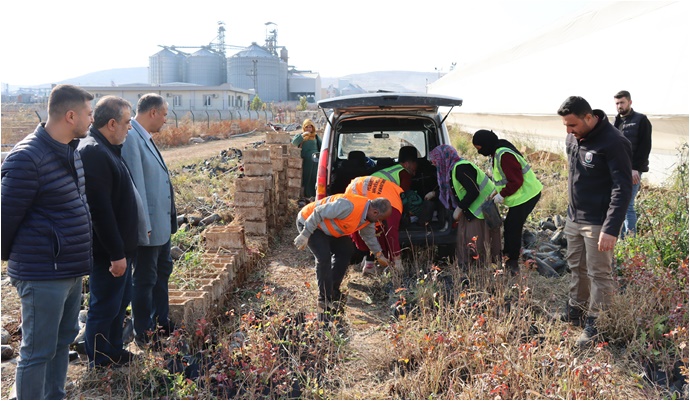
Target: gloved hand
301, 241
430, 195
457, 214
397, 264
382, 260
498, 199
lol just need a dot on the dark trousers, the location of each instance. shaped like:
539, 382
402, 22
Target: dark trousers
332, 257
513, 225
108, 300
150, 288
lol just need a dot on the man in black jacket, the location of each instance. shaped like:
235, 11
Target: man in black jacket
599, 190
114, 205
46, 239
637, 128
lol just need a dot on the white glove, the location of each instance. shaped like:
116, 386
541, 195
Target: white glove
301, 241
457, 213
498, 199
429, 196
397, 264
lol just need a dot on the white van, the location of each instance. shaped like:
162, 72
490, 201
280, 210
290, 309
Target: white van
370, 129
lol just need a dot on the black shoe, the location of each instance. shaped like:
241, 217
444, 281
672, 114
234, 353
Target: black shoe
572, 314
590, 335
126, 358
513, 267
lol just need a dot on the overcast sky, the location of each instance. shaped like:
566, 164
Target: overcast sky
49, 41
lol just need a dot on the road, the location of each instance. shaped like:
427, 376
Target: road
547, 133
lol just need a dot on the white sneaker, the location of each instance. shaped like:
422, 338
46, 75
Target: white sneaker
369, 268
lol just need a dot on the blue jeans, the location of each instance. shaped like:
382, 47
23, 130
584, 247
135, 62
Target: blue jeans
630, 223
50, 323
150, 288
108, 300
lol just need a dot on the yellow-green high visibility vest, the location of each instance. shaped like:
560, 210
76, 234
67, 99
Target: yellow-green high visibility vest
391, 173
530, 185
485, 185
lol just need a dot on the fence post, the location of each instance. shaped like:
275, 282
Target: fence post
175, 114
208, 119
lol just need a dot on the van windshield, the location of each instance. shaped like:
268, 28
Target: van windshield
381, 144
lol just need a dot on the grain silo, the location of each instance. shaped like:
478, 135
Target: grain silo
166, 66
257, 68
205, 67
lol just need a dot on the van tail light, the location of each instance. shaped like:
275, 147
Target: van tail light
322, 175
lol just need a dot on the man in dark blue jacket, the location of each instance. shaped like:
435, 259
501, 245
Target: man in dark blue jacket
114, 205
46, 239
599, 190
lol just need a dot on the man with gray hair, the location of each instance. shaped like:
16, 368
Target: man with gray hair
153, 264
325, 227
115, 209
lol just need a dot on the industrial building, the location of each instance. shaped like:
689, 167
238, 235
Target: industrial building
263, 70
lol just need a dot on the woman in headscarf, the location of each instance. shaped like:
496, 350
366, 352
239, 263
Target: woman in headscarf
310, 143
464, 187
516, 186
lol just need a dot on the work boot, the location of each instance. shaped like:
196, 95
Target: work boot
513, 267
590, 335
572, 314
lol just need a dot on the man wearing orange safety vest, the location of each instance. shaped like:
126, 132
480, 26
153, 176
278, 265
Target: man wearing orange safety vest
325, 227
373, 187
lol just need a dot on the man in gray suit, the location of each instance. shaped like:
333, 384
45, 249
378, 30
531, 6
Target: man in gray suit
153, 265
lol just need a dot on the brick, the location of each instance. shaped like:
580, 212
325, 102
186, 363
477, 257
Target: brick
295, 152
260, 155
294, 173
252, 184
250, 199
294, 182
278, 138
257, 170
270, 182
278, 164
251, 213
278, 151
256, 227
294, 192
229, 237
294, 162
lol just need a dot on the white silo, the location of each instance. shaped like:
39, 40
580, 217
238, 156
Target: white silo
256, 68
166, 66
205, 67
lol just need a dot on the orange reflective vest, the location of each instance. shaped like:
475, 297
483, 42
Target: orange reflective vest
340, 227
375, 187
